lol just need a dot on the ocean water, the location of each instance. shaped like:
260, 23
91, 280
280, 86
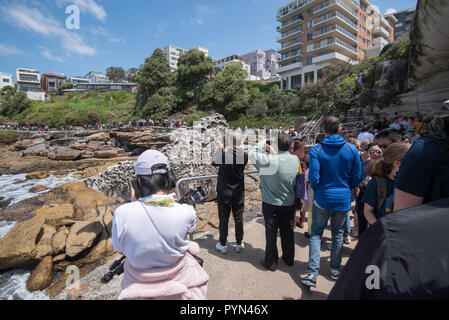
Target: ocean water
13, 283
15, 187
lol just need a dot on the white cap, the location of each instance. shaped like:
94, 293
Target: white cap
147, 160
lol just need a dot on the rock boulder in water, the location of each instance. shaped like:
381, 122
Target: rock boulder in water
42, 275
18, 246
38, 175
59, 239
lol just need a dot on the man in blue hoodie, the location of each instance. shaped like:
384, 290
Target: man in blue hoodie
335, 170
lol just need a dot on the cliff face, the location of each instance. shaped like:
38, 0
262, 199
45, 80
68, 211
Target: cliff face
428, 78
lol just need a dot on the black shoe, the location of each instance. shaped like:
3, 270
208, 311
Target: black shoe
307, 235
299, 225
273, 267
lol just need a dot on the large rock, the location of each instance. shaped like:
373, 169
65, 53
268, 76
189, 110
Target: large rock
107, 154
94, 145
44, 247
85, 203
102, 136
53, 214
18, 246
38, 189
82, 236
37, 150
38, 175
64, 154
42, 275
59, 239
24, 144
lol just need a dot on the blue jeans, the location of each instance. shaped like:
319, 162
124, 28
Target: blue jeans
347, 226
320, 217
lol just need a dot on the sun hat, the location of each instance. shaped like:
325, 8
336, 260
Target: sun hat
147, 160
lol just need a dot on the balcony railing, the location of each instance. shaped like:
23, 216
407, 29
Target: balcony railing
333, 28
289, 33
289, 56
291, 43
28, 79
333, 15
329, 3
292, 6
332, 41
290, 22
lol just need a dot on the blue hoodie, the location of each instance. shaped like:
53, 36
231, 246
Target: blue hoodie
335, 169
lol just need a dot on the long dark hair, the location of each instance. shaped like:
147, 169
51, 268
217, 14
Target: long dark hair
157, 182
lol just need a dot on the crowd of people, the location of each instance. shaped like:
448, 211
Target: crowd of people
165, 123
371, 178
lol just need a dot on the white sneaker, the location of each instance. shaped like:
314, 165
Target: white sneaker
335, 274
239, 247
347, 240
222, 249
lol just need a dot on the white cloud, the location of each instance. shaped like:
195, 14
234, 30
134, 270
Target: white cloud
89, 6
390, 11
100, 31
47, 54
160, 27
203, 13
9, 50
31, 19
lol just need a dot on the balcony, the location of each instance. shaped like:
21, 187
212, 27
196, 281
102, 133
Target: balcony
339, 30
289, 10
289, 35
380, 41
290, 23
339, 44
29, 79
336, 15
381, 31
289, 67
340, 3
290, 45
288, 57
334, 57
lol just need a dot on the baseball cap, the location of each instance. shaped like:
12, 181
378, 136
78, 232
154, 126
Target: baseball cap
411, 128
147, 160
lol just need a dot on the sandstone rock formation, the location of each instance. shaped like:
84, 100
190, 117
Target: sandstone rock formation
82, 236
42, 275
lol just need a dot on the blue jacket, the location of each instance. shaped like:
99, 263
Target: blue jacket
335, 169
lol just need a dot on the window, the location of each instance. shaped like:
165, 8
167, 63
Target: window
309, 24
310, 47
309, 59
364, 18
310, 36
363, 41
364, 29
6, 80
309, 12
369, 34
398, 25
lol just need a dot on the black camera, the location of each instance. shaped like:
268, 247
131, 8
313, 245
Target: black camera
196, 195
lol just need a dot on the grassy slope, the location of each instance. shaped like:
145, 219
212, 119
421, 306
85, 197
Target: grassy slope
79, 108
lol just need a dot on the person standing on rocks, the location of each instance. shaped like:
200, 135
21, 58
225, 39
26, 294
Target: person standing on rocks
231, 191
152, 233
335, 170
278, 171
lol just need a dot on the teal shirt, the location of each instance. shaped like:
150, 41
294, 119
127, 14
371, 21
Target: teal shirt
277, 175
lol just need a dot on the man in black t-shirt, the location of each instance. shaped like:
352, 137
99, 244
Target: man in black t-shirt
231, 191
426, 160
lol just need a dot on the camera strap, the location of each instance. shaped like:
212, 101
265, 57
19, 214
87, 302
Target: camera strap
200, 261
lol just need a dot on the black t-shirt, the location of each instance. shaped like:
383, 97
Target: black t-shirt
371, 198
231, 176
418, 170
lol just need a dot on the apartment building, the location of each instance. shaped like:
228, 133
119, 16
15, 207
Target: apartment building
317, 33
263, 64
173, 53
77, 80
97, 77
404, 22
51, 82
222, 63
6, 79
29, 80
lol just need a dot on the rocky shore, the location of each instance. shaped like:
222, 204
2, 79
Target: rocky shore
71, 224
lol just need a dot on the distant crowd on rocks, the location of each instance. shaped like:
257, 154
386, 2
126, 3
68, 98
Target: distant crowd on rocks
165, 123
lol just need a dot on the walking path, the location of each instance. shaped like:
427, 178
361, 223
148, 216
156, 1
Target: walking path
239, 276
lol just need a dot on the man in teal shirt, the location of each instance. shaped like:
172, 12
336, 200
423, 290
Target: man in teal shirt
278, 172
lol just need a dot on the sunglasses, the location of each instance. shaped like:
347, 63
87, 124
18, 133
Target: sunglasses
375, 152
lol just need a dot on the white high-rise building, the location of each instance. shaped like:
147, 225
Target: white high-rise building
29, 80
263, 63
6, 79
173, 53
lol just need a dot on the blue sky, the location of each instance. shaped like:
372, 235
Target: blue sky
124, 33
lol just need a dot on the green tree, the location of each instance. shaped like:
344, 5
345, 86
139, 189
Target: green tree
160, 104
194, 69
257, 104
115, 74
228, 91
14, 102
152, 76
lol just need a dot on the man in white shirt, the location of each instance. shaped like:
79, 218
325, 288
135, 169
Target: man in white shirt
365, 135
395, 125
